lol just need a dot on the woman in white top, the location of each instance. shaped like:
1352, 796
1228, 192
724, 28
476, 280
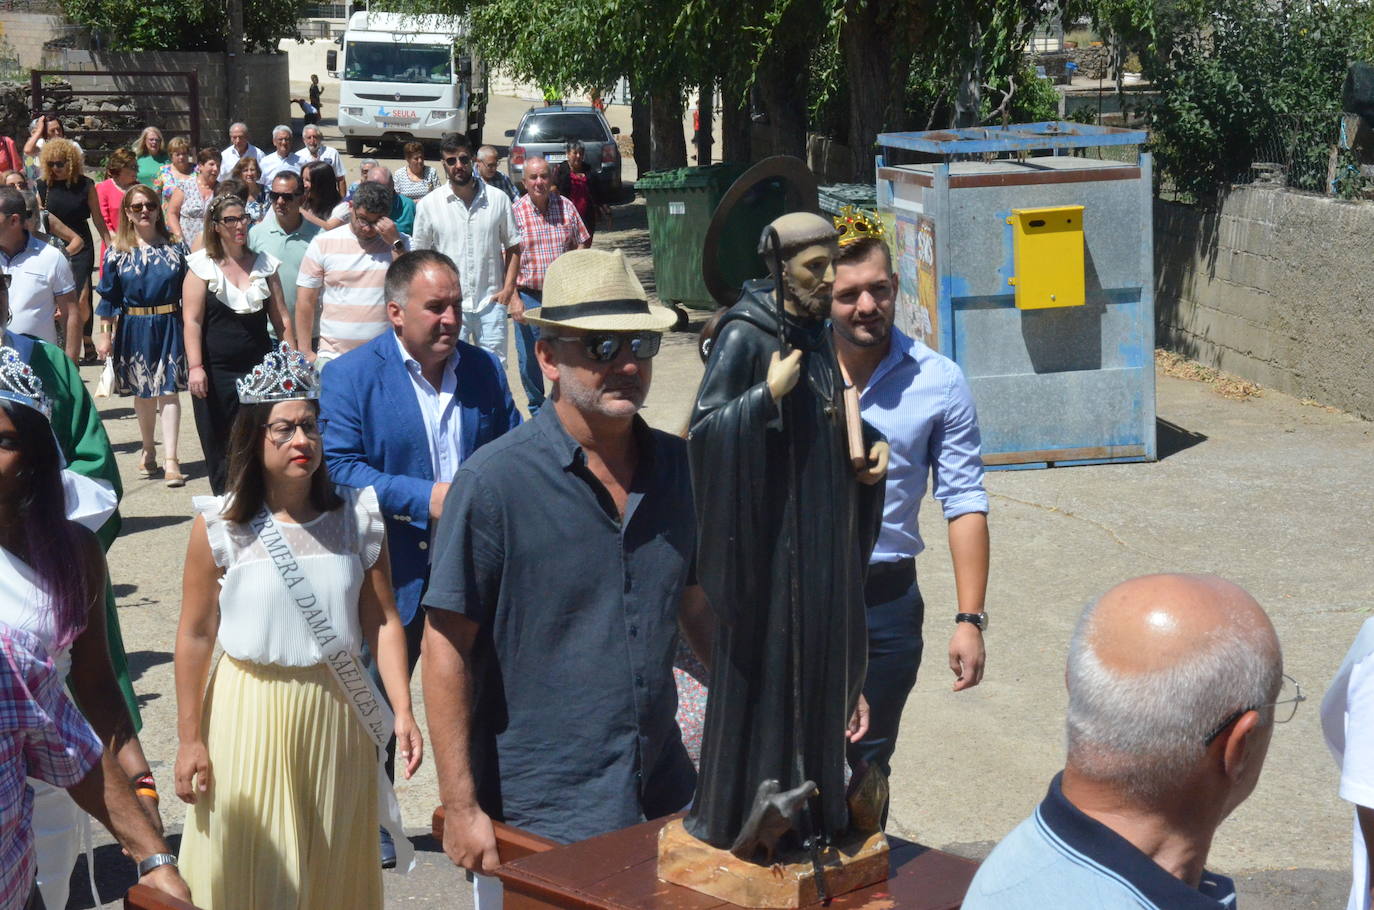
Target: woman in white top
282, 772
52, 585
229, 295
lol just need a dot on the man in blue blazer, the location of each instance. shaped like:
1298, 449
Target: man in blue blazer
404, 410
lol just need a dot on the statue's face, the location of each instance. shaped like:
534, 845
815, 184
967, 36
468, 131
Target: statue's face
808, 277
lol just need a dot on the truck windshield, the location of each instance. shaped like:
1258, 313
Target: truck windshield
372, 61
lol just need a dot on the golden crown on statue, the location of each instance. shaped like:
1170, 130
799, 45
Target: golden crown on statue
855, 224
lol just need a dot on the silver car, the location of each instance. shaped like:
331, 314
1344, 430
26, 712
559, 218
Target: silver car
546, 131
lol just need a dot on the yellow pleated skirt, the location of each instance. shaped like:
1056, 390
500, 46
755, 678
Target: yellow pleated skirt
290, 820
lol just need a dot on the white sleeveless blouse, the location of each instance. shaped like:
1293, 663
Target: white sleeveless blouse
259, 622
23, 605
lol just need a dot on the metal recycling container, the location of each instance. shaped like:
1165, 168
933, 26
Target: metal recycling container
1029, 261
680, 204
834, 196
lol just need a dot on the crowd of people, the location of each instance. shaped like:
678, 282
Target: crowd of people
377, 495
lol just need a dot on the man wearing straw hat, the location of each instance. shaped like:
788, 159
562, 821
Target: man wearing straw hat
563, 562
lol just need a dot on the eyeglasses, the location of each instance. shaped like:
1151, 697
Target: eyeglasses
283, 197
57, 164
457, 159
232, 220
604, 348
1284, 708
142, 206
281, 432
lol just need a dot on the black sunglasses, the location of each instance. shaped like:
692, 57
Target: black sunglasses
274, 195
603, 348
457, 159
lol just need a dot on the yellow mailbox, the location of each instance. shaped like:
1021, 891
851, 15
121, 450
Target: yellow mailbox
1047, 244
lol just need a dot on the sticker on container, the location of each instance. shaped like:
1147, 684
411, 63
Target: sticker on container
677, 208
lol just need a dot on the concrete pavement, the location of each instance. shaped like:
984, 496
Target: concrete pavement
1269, 492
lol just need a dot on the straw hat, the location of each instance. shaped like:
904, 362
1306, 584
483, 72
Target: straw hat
597, 291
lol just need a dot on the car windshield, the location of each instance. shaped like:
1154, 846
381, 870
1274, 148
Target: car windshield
370, 61
562, 128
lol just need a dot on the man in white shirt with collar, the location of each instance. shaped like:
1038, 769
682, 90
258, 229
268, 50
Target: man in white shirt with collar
38, 276
316, 150
282, 159
474, 225
239, 148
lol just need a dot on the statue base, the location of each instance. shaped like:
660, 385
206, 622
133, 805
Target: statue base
790, 882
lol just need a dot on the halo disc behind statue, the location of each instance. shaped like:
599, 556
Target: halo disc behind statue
773, 187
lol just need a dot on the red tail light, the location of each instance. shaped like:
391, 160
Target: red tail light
608, 153
517, 155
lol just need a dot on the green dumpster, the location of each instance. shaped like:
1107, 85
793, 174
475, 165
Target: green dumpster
680, 204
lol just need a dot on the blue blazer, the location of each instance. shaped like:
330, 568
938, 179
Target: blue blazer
374, 436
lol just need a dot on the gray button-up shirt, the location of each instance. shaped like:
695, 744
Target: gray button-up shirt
573, 729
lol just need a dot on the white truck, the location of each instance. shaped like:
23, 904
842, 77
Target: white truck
404, 77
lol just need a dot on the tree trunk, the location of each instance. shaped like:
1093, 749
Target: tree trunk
782, 83
706, 94
736, 129
640, 127
876, 69
968, 103
669, 138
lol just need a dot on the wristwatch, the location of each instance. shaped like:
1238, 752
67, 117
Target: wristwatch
399, 246
148, 864
978, 619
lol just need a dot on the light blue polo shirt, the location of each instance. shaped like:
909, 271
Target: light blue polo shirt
1060, 858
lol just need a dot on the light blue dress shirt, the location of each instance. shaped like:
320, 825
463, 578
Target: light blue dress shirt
921, 402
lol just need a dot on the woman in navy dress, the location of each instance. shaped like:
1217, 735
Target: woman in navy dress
140, 301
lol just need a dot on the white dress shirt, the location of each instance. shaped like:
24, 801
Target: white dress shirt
328, 155
230, 157
439, 408
275, 163
475, 237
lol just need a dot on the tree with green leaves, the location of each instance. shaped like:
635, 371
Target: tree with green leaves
175, 25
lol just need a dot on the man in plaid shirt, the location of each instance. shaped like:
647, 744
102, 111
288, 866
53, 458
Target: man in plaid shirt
43, 735
549, 227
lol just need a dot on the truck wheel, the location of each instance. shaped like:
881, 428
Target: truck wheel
353, 145
475, 137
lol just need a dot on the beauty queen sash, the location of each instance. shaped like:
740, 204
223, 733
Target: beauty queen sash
353, 680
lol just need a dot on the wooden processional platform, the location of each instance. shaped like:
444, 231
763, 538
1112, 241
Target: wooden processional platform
619, 871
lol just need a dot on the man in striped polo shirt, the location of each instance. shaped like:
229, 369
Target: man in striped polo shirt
344, 275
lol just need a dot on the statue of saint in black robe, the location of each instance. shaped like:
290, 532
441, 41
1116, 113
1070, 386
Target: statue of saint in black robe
781, 517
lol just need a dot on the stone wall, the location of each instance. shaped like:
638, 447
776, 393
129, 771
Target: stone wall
264, 86
1271, 285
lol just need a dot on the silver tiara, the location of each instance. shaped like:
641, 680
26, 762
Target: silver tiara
283, 375
18, 382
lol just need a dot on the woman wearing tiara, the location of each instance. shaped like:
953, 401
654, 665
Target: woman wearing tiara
229, 295
52, 585
281, 766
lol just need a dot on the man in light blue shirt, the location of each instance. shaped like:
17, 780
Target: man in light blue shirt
1175, 683
920, 401
286, 234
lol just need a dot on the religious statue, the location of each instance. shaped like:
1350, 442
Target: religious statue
789, 502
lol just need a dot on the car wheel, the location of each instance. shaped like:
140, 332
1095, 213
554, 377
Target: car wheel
353, 146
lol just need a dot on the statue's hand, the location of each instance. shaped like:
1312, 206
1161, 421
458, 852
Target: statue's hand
783, 373
877, 464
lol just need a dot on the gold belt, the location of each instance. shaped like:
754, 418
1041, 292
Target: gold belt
151, 310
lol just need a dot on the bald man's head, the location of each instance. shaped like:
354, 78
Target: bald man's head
1155, 665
